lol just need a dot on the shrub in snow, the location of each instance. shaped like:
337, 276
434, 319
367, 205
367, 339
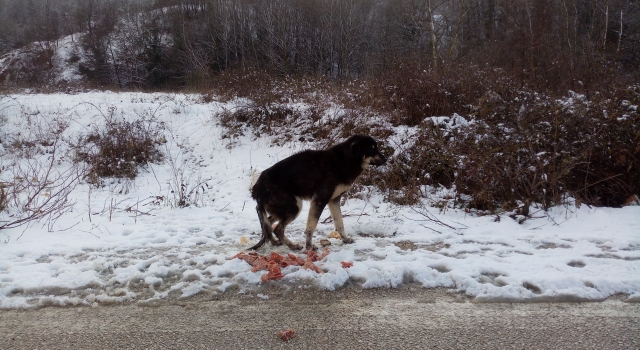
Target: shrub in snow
120, 147
517, 147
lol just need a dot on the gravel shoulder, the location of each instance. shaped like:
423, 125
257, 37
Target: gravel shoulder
349, 318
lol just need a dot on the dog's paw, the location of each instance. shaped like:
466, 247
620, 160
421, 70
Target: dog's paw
311, 247
276, 242
347, 240
294, 246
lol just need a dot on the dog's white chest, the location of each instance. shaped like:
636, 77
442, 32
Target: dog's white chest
340, 189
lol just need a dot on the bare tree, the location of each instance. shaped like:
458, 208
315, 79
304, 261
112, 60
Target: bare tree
556, 44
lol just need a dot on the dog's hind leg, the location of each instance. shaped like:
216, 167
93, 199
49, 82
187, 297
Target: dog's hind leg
286, 209
279, 232
336, 215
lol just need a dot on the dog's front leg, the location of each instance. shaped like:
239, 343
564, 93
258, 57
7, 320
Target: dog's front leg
336, 215
312, 221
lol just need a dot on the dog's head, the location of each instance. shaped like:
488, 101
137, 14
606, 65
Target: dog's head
365, 149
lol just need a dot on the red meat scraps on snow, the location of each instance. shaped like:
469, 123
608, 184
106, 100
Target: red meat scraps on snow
346, 264
276, 257
291, 260
275, 261
273, 274
249, 258
260, 264
313, 257
311, 266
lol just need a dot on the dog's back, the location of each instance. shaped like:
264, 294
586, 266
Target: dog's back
303, 174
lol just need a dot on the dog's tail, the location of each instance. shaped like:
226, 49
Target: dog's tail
265, 223
258, 193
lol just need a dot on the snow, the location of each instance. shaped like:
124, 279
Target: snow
104, 252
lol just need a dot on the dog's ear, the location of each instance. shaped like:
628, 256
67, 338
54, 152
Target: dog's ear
355, 149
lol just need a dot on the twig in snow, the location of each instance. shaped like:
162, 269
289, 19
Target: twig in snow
330, 219
431, 218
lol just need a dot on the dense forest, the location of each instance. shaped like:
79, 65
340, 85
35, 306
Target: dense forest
552, 45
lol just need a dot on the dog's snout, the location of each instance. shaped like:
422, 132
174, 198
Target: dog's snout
379, 159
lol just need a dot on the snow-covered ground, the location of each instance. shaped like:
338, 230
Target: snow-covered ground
127, 242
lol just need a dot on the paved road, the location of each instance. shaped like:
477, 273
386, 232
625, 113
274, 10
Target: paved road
347, 319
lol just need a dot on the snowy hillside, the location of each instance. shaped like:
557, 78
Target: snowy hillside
128, 241
44, 63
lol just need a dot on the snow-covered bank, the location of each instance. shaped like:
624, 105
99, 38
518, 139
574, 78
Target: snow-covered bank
127, 242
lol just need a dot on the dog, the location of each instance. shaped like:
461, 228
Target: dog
321, 177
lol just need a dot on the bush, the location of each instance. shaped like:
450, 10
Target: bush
514, 147
523, 148
421, 160
120, 148
410, 93
269, 119
522, 151
610, 173
261, 119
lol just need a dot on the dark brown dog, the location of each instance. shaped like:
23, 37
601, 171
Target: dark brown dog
319, 176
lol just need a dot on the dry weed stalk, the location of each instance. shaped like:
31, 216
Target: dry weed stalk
38, 188
186, 185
